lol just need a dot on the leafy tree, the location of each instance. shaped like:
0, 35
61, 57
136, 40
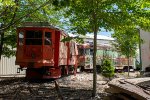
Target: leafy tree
84, 15
91, 15
107, 68
126, 41
14, 12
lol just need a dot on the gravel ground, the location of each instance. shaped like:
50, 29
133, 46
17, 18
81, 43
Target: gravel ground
82, 85
72, 87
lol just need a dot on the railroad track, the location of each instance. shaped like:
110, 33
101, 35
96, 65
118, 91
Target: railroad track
19, 88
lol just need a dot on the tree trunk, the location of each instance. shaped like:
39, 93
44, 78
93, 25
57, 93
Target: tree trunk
94, 65
95, 28
128, 66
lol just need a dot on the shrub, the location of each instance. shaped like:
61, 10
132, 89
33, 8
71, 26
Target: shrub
107, 68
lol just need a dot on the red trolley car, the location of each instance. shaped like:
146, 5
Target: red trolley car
85, 57
41, 52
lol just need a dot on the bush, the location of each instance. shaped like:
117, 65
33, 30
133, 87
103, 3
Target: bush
107, 68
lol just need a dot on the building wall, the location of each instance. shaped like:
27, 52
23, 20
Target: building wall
145, 49
8, 68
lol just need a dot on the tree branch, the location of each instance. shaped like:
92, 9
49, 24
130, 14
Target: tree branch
3, 13
17, 20
16, 1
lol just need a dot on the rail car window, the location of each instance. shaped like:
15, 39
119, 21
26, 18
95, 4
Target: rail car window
81, 51
91, 51
33, 37
21, 37
48, 38
33, 34
87, 51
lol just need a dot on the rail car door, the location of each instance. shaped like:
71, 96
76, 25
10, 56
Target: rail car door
20, 46
48, 50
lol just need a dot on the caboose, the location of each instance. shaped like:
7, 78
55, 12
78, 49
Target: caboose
42, 53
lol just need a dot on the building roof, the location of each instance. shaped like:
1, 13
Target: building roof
91, 36
101, 37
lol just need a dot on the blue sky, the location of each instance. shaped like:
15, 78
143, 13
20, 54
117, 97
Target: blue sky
105, 33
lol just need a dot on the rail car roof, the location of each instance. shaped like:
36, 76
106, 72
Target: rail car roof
101, 37
40, 24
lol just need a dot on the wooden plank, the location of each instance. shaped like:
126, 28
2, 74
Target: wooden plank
130, 89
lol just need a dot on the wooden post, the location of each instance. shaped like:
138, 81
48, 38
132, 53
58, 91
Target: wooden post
58, 90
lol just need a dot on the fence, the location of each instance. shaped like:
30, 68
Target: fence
8, 68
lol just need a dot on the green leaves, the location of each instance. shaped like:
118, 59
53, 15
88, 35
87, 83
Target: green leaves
7, 3
9, 43
109, 14
146, 5
77, 39
127, 41
66, 39
107, 68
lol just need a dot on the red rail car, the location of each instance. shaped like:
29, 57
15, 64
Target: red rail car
85, 57
41, 52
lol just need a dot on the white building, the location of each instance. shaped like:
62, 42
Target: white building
101, 39
145, 49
